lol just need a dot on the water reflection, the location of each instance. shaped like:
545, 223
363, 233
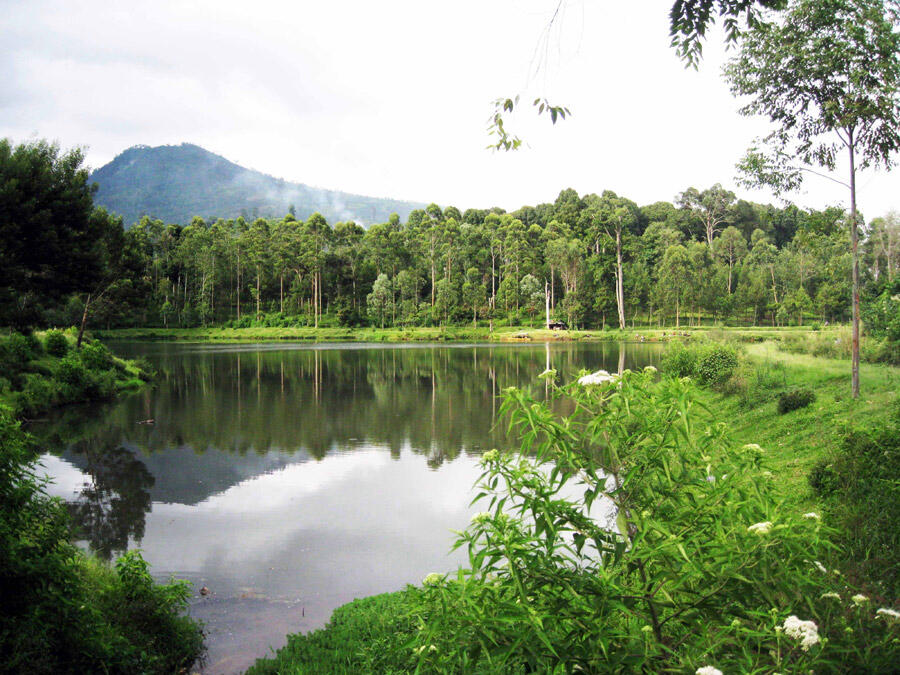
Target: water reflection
302, 474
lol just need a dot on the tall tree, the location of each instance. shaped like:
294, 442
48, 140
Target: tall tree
48, 238
711, 206
827, 75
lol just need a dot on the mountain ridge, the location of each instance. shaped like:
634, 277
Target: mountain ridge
177, 182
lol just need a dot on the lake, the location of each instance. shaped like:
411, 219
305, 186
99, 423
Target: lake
289, 479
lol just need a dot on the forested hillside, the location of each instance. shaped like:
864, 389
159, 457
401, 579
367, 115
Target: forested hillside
177, 182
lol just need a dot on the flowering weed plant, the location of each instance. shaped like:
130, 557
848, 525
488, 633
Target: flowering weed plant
633, 535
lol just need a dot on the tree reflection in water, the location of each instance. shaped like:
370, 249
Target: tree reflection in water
224, 414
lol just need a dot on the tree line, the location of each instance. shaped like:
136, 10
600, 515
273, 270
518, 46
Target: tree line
603, 260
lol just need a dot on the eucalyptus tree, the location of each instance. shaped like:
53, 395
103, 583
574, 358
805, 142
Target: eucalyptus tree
675, 277
259, 253
885, 237
617, 216
316, 235
730, 247
712, 207
827, 76
348, 238
474, 293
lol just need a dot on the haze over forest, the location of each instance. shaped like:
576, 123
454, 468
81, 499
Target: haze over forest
174, 183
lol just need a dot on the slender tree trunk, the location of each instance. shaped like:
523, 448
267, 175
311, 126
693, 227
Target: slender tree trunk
281, 293
84, 315
854, 246
620, 292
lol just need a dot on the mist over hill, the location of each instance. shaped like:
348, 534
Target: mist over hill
177, 182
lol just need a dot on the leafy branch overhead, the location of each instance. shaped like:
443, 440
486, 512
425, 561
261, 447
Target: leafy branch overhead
504, 139
688, 23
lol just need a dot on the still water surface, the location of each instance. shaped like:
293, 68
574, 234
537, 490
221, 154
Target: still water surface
291, 479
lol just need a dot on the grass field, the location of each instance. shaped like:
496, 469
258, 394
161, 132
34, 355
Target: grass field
437, 334
797, 440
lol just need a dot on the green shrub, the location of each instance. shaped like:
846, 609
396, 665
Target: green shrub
680, 360
24, 348
794, 400
56, 343
636, 540
38, 393
361, 637
95, 356
716, 364
71, 371
861, 489
62, 613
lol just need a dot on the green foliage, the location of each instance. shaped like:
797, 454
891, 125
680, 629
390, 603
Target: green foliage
362, 637
711, 363
794, 400
68, 614
680, 359
37, 382
716, 364
95, 356
22, 348
56, 343
637, 525
861, 489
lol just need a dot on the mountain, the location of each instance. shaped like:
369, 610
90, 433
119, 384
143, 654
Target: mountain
177, 182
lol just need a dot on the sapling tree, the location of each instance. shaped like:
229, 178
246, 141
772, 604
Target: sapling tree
826, 74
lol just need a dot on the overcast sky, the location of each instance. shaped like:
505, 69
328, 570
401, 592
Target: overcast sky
390, 99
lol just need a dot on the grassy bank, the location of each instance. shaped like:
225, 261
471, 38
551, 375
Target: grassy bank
795, 443
45, 370
445, 334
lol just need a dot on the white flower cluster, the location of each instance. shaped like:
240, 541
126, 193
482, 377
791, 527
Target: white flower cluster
805, 631
811, 516
708, 670
890, 614
832, 595
490, 456
760, 528
859, 599
600, 377
433, 579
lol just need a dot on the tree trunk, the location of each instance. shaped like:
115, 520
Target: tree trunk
854, 247
620, 292
87, 303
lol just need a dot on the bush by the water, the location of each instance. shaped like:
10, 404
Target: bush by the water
861, 488
630, 536
56, 343
64, 613
41, 376
711, 363
794, 400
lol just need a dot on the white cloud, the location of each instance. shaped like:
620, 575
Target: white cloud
389, 98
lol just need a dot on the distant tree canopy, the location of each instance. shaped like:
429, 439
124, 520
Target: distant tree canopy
50, 240
603, 259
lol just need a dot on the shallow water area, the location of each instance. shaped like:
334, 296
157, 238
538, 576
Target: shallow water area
290, 479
